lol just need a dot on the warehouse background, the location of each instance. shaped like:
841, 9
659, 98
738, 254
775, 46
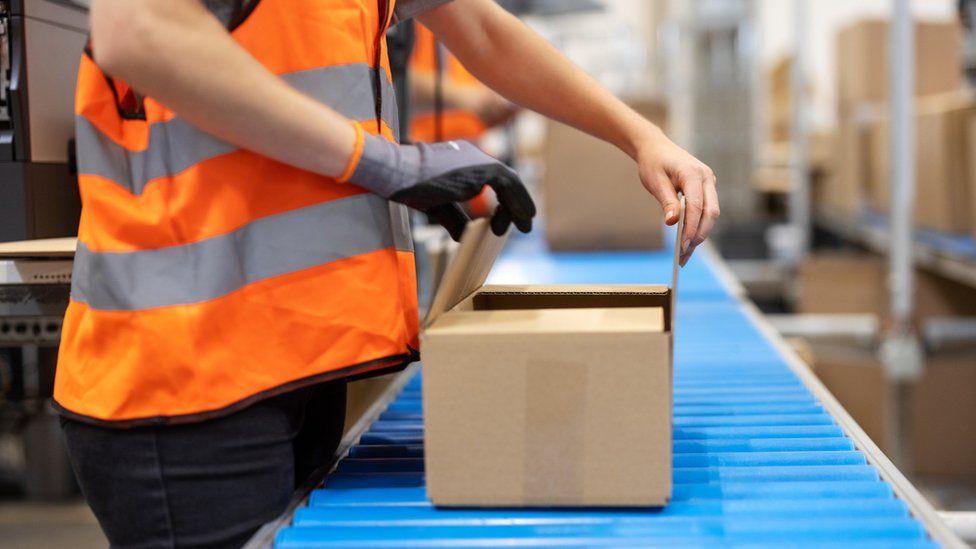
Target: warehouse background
720, 75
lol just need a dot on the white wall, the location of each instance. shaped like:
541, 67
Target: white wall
826, 17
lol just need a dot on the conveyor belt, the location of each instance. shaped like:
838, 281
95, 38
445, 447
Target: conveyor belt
759, 458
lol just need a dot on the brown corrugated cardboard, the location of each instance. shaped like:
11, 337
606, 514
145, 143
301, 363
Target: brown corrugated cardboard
847, 283
545, 395
862, 60
879, 166
944, 412
44, 247
854, 375
841, 192
592, 195
971, 162
362, 394
942, 163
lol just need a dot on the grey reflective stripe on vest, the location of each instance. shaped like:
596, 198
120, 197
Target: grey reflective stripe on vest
175, 145
400, 221
211, 268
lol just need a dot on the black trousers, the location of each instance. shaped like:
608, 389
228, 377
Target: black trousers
207, 484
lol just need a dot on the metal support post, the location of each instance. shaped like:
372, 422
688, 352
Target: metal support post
799, 211
901, 352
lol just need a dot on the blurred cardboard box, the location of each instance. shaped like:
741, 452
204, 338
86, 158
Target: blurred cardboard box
778, 102
847, 283
593, 198
971, 160
862, 60
362, 394
545, 395
853, 374
944, 412
841, 191
943, 157
941, 411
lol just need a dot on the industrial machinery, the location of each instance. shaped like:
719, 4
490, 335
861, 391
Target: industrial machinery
40, 44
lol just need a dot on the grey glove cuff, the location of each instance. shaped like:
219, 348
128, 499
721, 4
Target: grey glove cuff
385, 167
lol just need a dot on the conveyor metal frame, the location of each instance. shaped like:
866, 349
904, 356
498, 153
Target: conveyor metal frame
903, 489
917, 504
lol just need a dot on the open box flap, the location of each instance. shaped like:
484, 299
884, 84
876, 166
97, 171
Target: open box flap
676, 265
477, 253
468, 271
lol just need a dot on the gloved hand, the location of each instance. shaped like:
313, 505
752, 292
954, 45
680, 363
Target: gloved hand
435, 177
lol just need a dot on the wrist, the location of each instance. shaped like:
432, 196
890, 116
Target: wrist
357, 153
642, 139
385, 167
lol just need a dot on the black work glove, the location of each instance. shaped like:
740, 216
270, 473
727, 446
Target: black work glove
434, 178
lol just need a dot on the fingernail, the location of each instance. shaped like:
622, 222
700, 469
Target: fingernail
685, 245
669, 214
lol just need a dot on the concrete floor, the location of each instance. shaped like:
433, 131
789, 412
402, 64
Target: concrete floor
49, 525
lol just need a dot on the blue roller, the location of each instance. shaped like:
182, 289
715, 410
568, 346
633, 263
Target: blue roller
758, 462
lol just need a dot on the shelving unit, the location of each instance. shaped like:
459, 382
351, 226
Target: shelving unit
952, 256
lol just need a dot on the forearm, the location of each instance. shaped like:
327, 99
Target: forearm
423, 91
176, 52
481, 35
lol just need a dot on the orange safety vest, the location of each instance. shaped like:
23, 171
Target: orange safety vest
208, 277
454, 123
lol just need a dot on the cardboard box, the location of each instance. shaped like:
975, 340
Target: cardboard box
944, 412
862, 60
841, 192
943, 199
971, 163
779, 100
545, 395
847, 283
856, 378
362, 394
592, 196
40, 248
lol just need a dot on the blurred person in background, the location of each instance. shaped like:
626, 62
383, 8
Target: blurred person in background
448, 102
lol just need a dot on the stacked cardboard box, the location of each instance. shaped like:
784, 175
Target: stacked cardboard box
942, 409
592, 195
862, 61
862, 94
943, 159
845, 283
971, 157
779, 101
841, 192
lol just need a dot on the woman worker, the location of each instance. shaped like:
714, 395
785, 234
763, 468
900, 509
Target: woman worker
243, 247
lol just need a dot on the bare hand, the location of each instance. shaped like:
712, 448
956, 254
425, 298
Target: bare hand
666, 168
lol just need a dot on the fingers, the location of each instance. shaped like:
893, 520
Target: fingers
451, 217
513, 199
663, 190
500, 221
710, 214
692, 184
